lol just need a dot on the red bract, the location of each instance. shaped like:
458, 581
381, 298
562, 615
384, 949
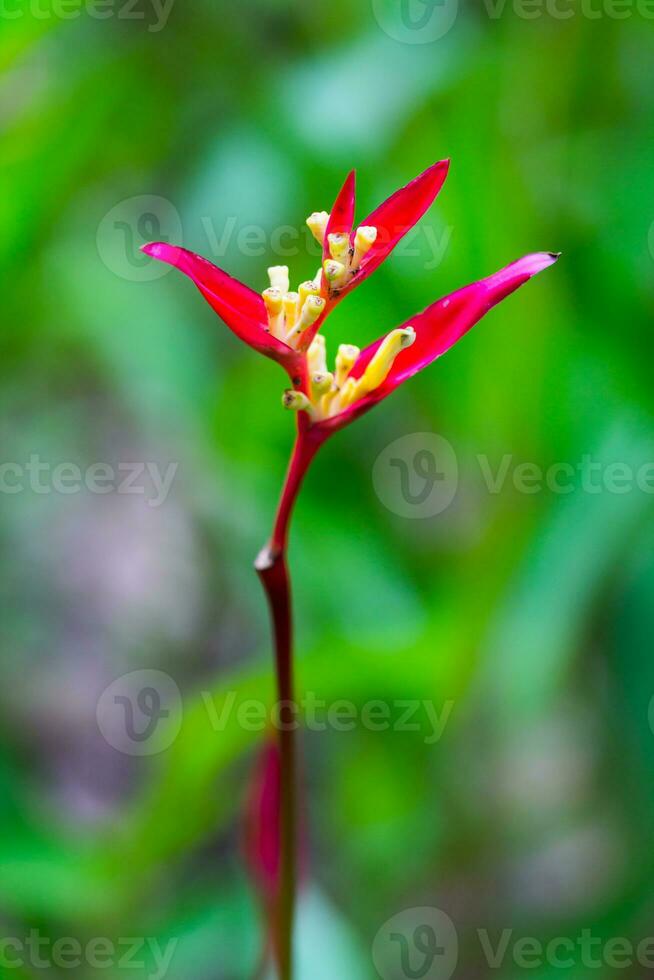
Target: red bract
437, 329
341, 217
397, 215
240, 307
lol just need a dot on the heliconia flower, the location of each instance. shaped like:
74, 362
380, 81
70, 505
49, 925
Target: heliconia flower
361, 379
281, 323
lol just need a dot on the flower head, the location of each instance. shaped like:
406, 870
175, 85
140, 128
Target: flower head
282, 322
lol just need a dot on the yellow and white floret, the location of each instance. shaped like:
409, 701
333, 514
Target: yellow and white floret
291, 313
332, 393
345, 258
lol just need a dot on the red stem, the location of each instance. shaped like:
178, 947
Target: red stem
273, 572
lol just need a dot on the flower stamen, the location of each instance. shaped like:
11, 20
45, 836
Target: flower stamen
347, 355
339, 247
274, 300
321, 384
313, 307
317, 355
364, 239
278, 275
335, 273
296, 401
306, 289
317, 223
291, 306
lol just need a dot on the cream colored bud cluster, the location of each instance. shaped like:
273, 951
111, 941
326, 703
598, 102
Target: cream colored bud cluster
345, 257
291, 313
331, 393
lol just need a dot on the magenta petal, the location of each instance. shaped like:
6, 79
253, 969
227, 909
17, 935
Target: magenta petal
240, 307
441, 325
397, 215
341, 217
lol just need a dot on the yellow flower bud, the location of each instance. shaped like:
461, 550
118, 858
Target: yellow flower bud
296, 401
347, 355
339, 247
321, 384
335, 273
273, 300
313, 307
291, 308
317, 355
317, 222
278, 275
307, 289
346, 396
364, 239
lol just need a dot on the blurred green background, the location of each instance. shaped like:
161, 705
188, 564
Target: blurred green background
525, 619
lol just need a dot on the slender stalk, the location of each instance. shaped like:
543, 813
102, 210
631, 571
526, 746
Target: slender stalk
271, 566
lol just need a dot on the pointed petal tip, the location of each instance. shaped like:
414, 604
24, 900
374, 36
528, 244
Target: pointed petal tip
529, 265
437, 171
439, 166
157, 250
351, 181
542, 260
